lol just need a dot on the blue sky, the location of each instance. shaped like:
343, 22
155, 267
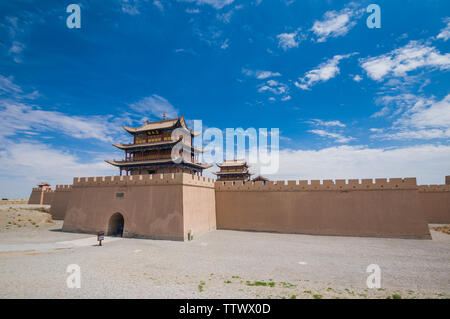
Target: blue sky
350, 102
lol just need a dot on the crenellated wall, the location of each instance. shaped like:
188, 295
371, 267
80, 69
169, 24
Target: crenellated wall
41, 196
380, 208
160, 206
168, 206
60, 201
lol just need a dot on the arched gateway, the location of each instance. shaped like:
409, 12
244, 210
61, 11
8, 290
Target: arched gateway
116, 225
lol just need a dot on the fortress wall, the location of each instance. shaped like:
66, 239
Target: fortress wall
35, 196
60, 201
152, 205
435, 203
384, 208
48, 196
41, 196
199, 206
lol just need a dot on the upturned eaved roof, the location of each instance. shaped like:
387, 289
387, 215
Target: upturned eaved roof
232, 163
157, 161
154, 144
158, 125
247, 172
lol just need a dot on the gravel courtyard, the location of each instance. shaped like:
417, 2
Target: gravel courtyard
220, 264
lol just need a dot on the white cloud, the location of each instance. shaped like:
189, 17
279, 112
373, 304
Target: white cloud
289, 40
336, 136
259, 74
322, 73
445, 32
334, 24
416, 117
428, 113
26, 164
217, 4
274, 87
159, 5
225, 44
130, 7
18, 117
319, 122
408, 58
192, 11
357, 78
7, 85
429, 163
155, 105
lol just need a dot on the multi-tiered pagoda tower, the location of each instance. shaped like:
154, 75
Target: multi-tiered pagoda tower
152, 150
236, 170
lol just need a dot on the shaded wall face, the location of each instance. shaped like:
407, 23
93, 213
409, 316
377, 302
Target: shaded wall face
151, 211
435, 206
59, 203
376, 213
199, 210
39, 196
35, 197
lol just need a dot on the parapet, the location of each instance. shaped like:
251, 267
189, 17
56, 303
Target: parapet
150, 179
63, 188
318, 185
434, 188
45, 190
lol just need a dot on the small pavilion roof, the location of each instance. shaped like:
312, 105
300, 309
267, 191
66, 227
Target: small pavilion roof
43, 184
158, 125
232, 163
260, 178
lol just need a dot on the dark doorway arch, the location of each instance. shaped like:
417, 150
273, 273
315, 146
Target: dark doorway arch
116, 225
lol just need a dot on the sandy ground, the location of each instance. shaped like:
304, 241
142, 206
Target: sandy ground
219, 264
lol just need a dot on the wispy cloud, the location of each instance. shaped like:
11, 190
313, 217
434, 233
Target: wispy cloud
217, 4
289, 40
335, 23
416, 117
336, 136
319, 122
130, 7
19, 117
7, 85
159, 5
445, 32
322, 73
260, 74
155, 105
399, 62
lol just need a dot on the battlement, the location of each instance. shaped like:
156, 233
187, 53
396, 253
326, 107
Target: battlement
63, 188
151, 179
434, 188
45, 190
318, 185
